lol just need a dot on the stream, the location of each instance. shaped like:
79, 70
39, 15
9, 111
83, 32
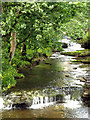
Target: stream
51, 89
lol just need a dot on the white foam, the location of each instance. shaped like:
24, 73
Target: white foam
1, 103
40, 106
72, 46
72, 104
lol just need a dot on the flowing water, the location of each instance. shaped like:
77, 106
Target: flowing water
54, 87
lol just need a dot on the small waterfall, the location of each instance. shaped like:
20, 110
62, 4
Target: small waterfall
46, 100
51, 99
41, 99
54, 98
36, 100
8, 107
39, 102
1, 103
72, 46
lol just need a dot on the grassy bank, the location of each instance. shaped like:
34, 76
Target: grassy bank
81, 55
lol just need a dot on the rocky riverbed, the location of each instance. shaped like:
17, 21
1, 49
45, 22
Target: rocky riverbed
56, 85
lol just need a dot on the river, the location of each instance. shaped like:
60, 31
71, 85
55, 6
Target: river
57, 75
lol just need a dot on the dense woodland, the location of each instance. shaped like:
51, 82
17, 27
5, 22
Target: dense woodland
30, 31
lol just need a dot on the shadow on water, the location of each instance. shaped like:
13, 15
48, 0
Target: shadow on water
39, 76
50, 75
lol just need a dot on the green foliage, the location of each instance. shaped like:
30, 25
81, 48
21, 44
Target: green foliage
9, 71
19, 60
47, 51
38, 27
8, 77
86, 38
77, 26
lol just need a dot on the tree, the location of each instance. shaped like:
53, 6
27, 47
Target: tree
31, 29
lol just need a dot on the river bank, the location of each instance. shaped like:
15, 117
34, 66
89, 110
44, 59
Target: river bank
80, 55
55, 85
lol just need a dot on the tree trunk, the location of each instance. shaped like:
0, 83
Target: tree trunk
24, 49
13, 45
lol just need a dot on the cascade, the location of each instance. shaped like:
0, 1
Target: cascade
35, 100
46, 99
51, 99
41, 99
1, 103
72, 46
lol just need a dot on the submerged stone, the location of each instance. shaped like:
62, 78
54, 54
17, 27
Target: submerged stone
75, 68
48, 63
81, 79
67, 75
86, 45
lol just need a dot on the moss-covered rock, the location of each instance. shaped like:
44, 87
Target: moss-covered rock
78, 53
85, 60
81, 55
86, 96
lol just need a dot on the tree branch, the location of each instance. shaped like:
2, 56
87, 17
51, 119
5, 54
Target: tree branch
24, 39
44, 18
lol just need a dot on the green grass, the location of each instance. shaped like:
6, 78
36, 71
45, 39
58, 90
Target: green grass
78, 53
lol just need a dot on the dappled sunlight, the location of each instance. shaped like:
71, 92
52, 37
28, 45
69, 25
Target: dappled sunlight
67, 66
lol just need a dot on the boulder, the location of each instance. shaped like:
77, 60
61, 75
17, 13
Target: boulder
81, 79
18, 100
20, 106
86, 96
86, 45
59, 98
75, 68
64, 45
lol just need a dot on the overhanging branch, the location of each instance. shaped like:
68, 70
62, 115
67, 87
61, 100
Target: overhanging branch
25, 39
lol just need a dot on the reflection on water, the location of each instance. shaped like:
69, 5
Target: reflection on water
56, 74
40, 76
